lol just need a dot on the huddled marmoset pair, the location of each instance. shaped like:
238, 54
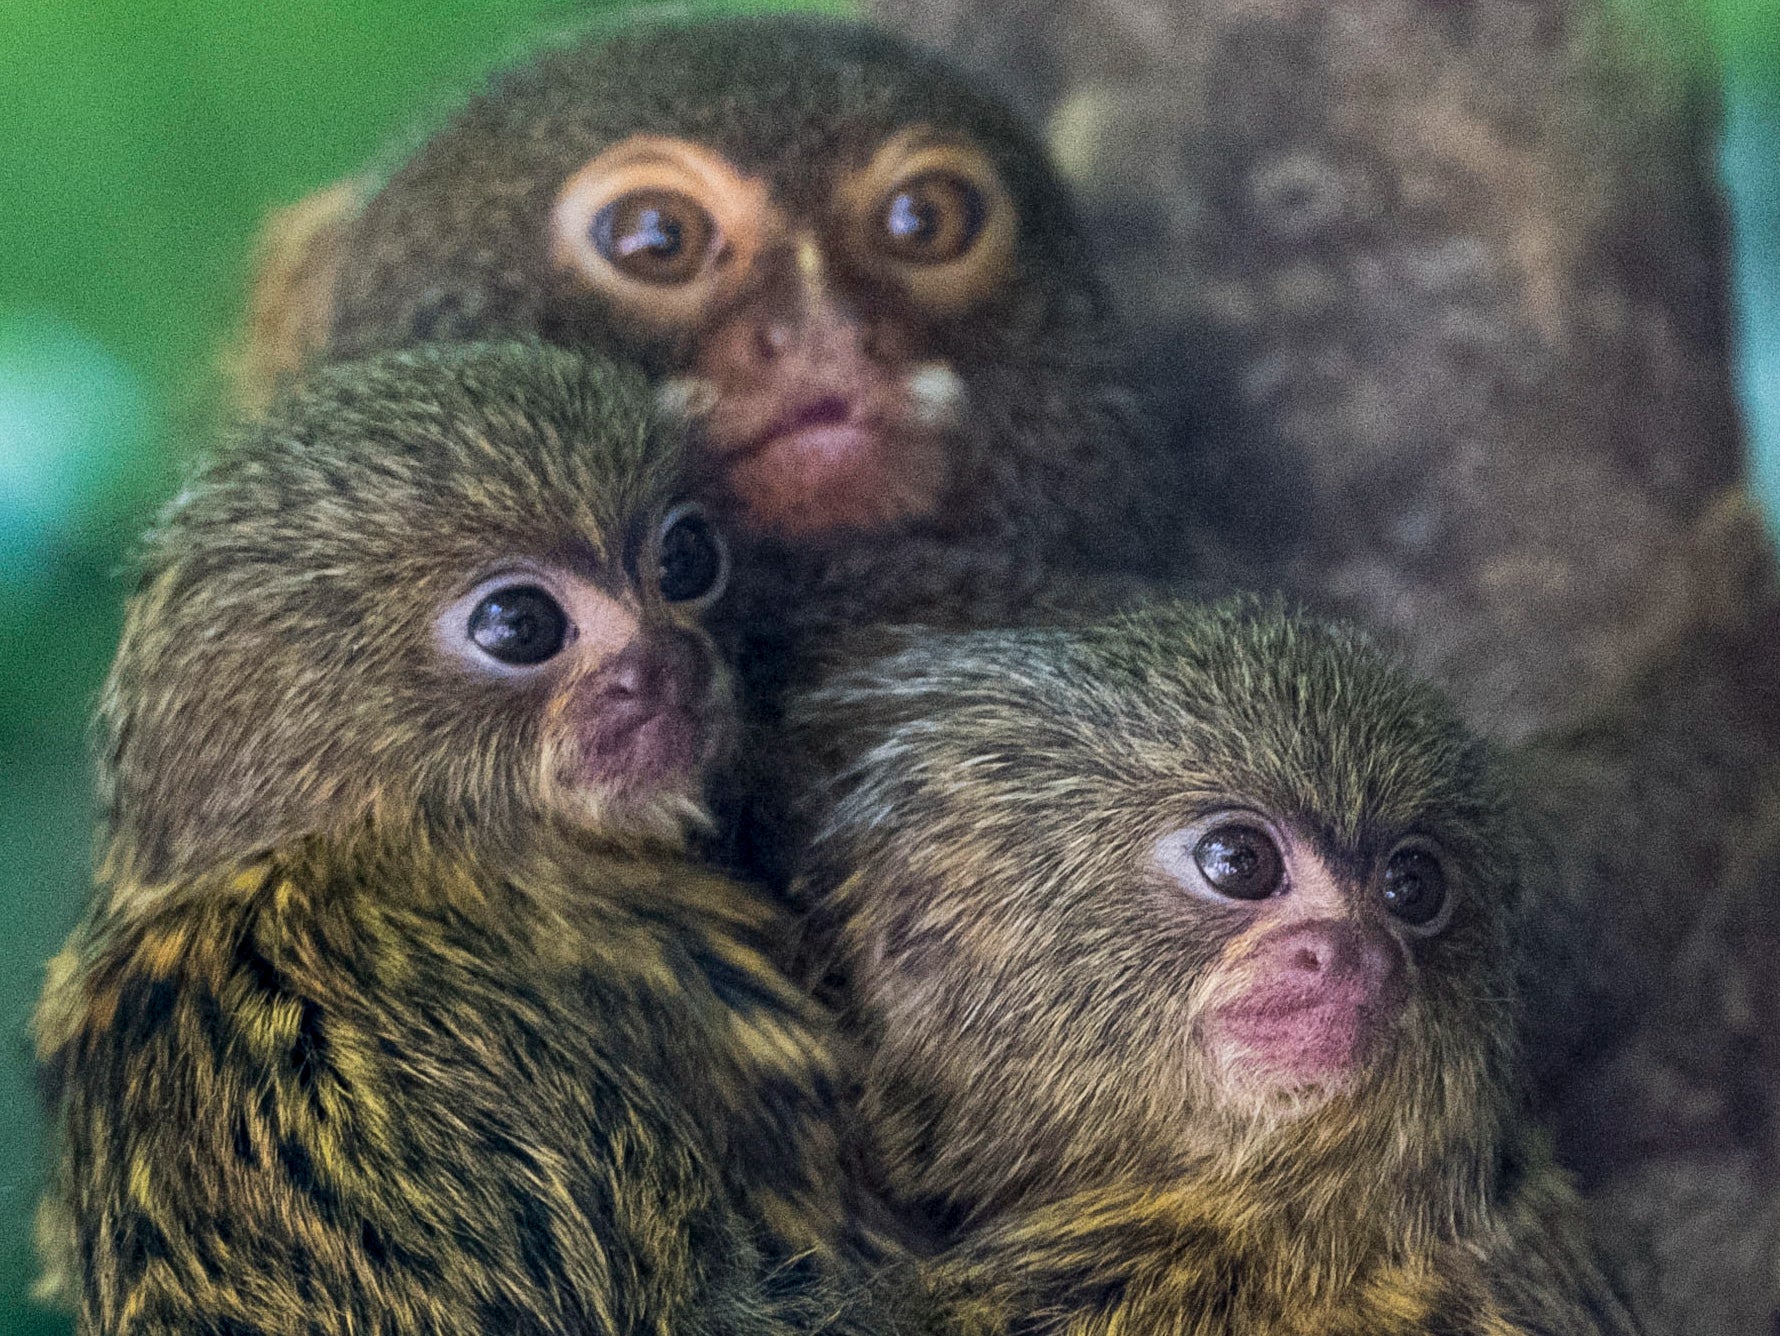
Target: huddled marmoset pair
863, 285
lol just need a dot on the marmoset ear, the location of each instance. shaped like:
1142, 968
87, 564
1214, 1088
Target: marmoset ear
290, 304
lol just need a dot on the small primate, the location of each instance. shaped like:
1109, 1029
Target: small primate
402, 1006
855, 273
1179, 947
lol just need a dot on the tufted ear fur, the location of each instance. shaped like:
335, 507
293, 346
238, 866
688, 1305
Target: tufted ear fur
290, 303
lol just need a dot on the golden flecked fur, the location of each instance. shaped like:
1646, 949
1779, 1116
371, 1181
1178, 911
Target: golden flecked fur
1033, 995
375, 1024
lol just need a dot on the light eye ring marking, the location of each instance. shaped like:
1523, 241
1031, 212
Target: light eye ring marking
944, 287
738, 208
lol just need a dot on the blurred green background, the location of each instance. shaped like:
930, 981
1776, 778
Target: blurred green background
140, 142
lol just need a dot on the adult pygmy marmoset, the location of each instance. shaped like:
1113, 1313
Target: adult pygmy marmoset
855, 272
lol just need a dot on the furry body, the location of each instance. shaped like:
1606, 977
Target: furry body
401, 1006
406, 1091
1041, 1007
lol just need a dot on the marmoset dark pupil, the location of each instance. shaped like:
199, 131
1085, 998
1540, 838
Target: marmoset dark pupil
691, 559
654, 236
520, 625
1414, 886
1239, 861
933, 219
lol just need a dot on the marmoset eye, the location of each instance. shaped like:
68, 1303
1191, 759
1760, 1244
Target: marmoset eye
520, 625
694, 560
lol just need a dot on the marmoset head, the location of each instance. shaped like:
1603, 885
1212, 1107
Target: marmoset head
1158, 896
451, 590
859, 275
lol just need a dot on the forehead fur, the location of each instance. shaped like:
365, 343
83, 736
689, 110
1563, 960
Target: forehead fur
1311, 717
423, 460
766, 90
1236, 700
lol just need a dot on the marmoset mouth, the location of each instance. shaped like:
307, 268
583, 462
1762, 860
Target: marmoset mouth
836, 465
824, 413
1308, 1038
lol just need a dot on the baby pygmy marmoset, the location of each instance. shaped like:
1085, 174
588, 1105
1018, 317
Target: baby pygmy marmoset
401, 1006
1180, 948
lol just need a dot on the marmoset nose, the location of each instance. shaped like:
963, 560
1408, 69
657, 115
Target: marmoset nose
653, 673
1331, 951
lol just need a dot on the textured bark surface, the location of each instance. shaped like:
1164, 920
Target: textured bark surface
1435, 297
